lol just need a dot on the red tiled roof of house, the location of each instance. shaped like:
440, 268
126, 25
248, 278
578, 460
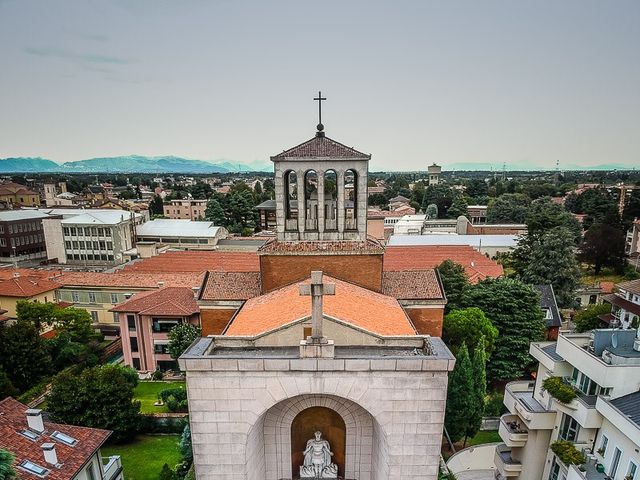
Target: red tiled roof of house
13, 420
412, 284
126, 279
25, 286
167, 301
11, 188
365, 309
321, 147
632, 286
231, 286
197, 261
369, 246
476, 265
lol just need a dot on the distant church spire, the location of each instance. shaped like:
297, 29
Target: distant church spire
320, 98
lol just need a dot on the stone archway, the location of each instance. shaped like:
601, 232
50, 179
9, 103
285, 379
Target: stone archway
359, 435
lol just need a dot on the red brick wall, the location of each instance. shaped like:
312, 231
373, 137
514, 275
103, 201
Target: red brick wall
214, 320
428, 321
280, 270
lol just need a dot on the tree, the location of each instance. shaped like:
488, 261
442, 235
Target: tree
186, 449
549, 258
603, 246
6, 465
543, 215
98, 397
587, 319
156, 205
632, 208
479, 374
180, 337
215, 213
459, 394
6, 387
454, 281
432, 211
167, 473
477, 188
508, 208
23, 354
514, 309
469, 326
458, 207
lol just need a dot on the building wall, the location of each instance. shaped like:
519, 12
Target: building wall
185, 209
22, 238
427, 320
280, 270
54, 240
628, 446
9, 303
214, 320
97, 300
117, 238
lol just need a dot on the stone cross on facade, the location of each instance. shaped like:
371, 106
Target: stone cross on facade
316, 289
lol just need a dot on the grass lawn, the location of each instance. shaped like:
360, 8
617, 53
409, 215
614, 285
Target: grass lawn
484, 436
606, 275
143, 458
147, 393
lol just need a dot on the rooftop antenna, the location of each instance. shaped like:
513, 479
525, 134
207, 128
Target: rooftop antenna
320, 127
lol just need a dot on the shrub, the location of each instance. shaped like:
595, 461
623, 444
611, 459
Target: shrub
559, 390
167, 473
175, 399
567, 453
157, 375
494, 405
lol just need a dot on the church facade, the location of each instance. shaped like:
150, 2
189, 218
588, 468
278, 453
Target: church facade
326, 373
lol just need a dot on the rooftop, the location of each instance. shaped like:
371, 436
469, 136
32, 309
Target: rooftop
632, 286
321, 147
125, 279
548, 301
413, 284
25, 283
13, 215
197, 261
167, 302
177, 228
231, 286
338, 247
629, 406
13, 421
419, 257
365, 309
99, 217
477, 241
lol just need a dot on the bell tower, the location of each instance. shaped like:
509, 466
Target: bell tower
321, 190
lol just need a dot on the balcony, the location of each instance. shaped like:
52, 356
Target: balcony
590, 472
518, 398
512, 431
506, 465
112, 469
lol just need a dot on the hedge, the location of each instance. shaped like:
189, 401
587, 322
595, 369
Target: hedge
559, 390
567, 453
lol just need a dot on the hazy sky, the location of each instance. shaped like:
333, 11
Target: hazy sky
411, 82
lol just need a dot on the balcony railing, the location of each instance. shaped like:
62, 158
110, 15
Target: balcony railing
113, 468
513, 431
507, 466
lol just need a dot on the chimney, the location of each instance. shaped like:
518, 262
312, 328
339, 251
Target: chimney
196, 291
34, 420
50, 455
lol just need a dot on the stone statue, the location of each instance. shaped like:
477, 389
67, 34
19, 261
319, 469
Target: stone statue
317, 459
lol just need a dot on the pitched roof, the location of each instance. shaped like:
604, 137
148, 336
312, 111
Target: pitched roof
125, 279
197, 261
548, 301
320, 147
24, 283
177, 228
13, 420
21, 214
632, 286
231, 286
477, 266
368, 246
167, 301
412, 284
99, 217
365, 309
629, 406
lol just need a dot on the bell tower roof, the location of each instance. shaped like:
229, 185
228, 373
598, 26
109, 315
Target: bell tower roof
320, 147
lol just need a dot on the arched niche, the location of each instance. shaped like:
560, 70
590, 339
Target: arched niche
330, 200
350, 199
290, 181
311, 200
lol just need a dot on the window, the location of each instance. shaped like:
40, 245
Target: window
1, 228
64, 438
30, 434
92, 297
75, 244
615, 462
94, 316
164, 325
72, 231
109, 245
131, 322
135, 363
306, 332
33, 468
631, 471
603, 446
90, 474
160, 348
569, 429
67, 245
133, 341
114, 296
3, 242
75, 296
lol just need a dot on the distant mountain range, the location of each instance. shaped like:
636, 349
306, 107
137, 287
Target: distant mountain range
524, 167
128, 164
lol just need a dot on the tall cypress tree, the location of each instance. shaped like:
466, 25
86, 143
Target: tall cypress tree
459, 394
479, 375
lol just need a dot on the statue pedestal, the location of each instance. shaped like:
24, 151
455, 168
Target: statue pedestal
311, 349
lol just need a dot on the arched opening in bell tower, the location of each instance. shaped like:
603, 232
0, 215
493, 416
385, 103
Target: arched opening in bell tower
330, 200
311, 200
290, 181
350, 200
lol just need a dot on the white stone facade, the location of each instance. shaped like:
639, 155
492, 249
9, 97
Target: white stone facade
241, 412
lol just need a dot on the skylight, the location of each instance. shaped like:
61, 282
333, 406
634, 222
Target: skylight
34, 468
64, 438
30, 434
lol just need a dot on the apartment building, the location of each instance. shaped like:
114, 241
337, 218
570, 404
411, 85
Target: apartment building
601, 425
22, 235
181, 233
625, 305
14, 194
185, 209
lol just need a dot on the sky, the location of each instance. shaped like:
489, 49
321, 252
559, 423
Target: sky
412, 82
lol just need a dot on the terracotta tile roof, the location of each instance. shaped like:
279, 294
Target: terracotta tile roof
167, 301
632, 286
126, 279
418, 257
231, 286
13, 421
197, 261
371, 311
25, 286
11, 188
412, 284
369, 246
321, 147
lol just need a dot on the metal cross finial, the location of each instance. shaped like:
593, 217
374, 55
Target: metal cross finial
317, 290
320, 98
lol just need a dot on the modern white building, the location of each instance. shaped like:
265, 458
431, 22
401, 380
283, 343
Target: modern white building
185, 234
601, 424
489, 244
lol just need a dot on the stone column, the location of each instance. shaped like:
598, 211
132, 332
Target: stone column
362, 199
281, 202
302, 207
340, 187
320, 175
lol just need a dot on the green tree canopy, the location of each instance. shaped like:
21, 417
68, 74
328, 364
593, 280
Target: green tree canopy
23, 354
432, 211
469, 326
458, 207
508, 208
514, 309
544, 215
459, 395
479, 374
6, 465
587, 318
98, 397
180, 337
603, 246
454, 281
156, 205
549, 258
